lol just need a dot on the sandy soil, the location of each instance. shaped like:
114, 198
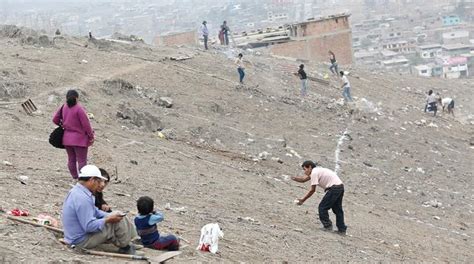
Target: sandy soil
231, 150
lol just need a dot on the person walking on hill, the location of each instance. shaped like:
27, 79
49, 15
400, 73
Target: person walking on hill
332, 59
240, 67
334, 189
205, 33
226, 32
346, 86
78, 133
304, 80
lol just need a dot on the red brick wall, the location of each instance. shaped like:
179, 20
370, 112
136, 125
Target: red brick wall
320, 37
327, 26
186, 38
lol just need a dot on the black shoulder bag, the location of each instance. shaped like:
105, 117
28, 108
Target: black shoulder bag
56, 137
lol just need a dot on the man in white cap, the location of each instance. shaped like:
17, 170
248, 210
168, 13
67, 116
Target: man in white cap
87, 227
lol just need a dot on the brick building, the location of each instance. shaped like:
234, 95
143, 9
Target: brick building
184, 38
311, 40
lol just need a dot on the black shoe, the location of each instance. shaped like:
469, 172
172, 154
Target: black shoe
128, 250
326, 229
341, 233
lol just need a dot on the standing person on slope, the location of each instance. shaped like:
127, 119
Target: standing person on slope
78, 133
240, 67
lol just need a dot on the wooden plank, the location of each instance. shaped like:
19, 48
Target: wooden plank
165, 256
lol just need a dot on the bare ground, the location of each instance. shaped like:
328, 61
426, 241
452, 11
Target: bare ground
408, 176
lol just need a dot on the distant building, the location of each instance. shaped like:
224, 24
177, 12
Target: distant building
423, 70
455, 67
456, 37
400, 64
451, 20
430, 51
455, 49
400, 46
428, 70
366, 57
311, 40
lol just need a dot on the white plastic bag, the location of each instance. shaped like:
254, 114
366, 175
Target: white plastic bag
210, 235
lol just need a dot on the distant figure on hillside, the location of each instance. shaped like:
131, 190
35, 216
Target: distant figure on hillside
346, 85
240, 67
221, 35
431, 102
57, 33
78, 133
447, 103
304, 81
100, 203
332, 59
225, 31
205, 33
90, 35
334, 189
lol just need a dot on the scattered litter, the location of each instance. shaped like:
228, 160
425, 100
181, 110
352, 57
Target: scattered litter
44, 219
165, 102
18, 212
432, 203
161, 135
295, 153
367, 164
122, 194
432, 124
84, 61
29, 106
181, 210
420, 170
263, 155
90, 116
23, 179
209, 239
180, 58
248, 219
277, 160
436, 217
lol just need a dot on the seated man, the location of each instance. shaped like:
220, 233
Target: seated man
87, 227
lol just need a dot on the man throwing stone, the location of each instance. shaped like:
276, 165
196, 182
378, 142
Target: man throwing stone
332, 185
87, 227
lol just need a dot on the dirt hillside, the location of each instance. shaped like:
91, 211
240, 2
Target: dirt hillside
230, 150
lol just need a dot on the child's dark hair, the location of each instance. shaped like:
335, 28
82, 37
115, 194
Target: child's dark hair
145, 205
71, 98
308, 163
105, 174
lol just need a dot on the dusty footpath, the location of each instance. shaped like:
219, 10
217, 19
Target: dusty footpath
226, 152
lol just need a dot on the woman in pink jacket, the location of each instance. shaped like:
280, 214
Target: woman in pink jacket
78, 133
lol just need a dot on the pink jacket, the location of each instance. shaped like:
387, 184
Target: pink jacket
77, 128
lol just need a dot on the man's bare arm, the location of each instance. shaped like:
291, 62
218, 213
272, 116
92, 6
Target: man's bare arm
304, 178
309, 194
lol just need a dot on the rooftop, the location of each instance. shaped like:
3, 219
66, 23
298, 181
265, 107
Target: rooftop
456, 34
455, 46
430, 46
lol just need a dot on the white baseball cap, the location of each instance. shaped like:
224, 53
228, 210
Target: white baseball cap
91, 171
